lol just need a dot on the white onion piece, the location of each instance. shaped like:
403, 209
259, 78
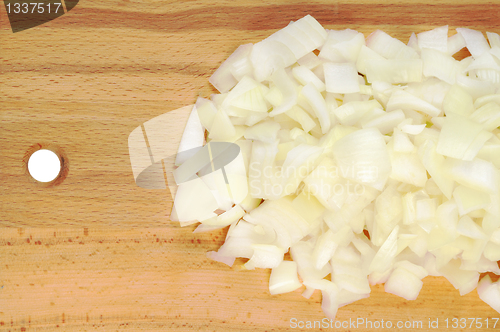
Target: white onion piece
299, 162
389, 47
313, 29
351, 112
229, 261
197, 190
458, 135
467, 227
401, 99
458, 101
265, 256
441, 65
288, 92
401, 142
192, 138
324, 249
436, 39
341, 77
394, 71
304, 75
227, 218
222, 79
459, 278
286, 37
492, 251
386, 122
364, 55
385, 255
413, 42
284, 278
484, 61
268, 56
488, 115
302, 254
404, 284
222, 129
476, 174
318, 104
329, 294
455, 43
338, 49
365, 148
475, 41
489, 292
206, 112
407, 168
266, 132
475, 87
302, 117
493, 38
412, 129
310, 61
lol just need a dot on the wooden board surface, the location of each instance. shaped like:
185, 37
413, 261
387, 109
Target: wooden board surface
98, 253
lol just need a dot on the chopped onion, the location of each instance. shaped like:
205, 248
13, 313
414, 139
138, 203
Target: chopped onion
284, 278
372, 137
403, 283
434, 39
341, 77
475, 41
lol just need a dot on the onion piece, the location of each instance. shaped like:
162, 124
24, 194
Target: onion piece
436, 39
404, 284
351, 112
477, 174
284, 278
493, 38
401, 99
304, 75
329, 294
341, 77
318, 104
455, 43
393, 71
475, 41
441, 65
458, 101
458, 135
266, 256
289, 93
365, 148
383, 259
489, 292
342, 46
460, 279
192, 139
222, 79
389, 47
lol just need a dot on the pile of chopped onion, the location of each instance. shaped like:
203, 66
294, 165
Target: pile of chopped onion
370, 161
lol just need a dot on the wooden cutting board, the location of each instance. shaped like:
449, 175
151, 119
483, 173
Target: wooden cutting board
96, 252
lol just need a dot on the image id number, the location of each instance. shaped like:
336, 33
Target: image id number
32, 7
471, 323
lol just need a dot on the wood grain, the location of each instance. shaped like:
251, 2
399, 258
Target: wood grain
98, 253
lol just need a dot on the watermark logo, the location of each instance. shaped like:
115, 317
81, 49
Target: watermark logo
27, 14
213, 176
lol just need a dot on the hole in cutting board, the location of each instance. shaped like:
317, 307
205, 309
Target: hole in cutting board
45, 164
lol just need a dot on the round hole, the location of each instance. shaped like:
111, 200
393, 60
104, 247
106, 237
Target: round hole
44, 165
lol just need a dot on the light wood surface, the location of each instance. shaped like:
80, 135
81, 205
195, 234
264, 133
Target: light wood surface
98, 253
